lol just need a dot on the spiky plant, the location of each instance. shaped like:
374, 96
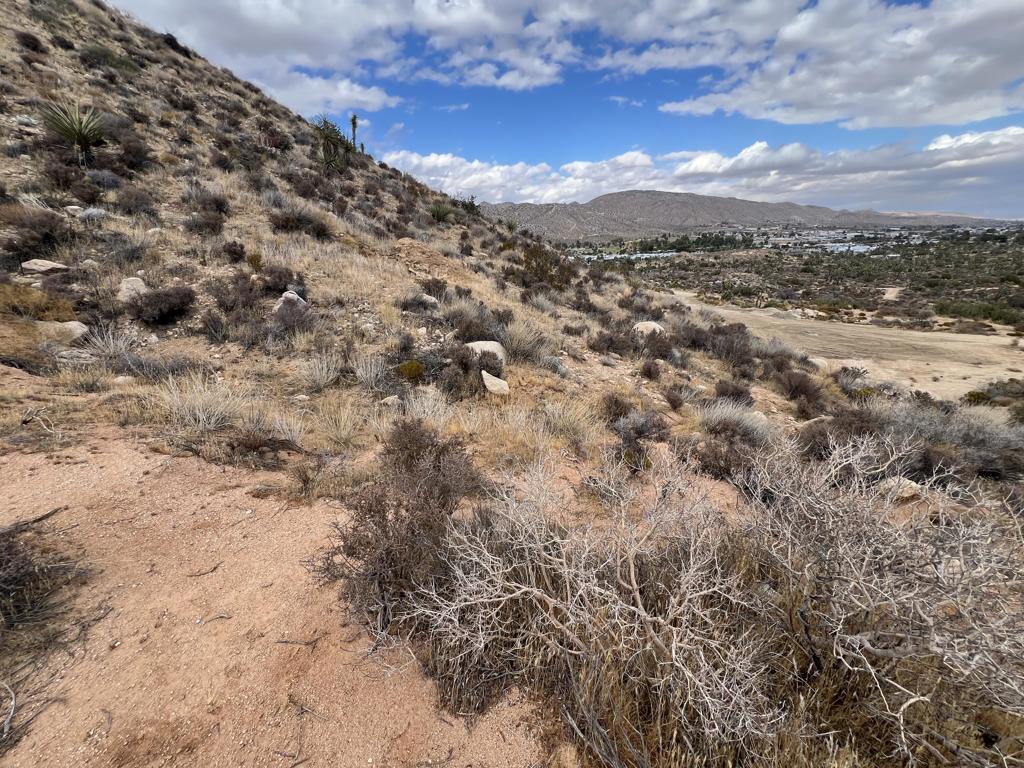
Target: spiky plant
82, 129
331, 147
355, 122
440, 212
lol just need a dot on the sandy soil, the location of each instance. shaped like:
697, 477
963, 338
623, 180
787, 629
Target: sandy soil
200, 660
945, 364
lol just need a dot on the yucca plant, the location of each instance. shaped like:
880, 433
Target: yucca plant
82, 129
440, 212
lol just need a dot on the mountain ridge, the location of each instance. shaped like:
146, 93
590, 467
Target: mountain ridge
646, 213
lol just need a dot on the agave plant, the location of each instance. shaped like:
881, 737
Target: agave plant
82, 129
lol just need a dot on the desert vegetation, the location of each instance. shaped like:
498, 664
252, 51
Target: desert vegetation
689, 545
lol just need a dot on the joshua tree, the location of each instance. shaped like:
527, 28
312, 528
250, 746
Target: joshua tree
355, 121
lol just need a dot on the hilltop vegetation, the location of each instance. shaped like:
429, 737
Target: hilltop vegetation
685, 543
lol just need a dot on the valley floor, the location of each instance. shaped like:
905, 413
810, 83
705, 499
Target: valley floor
945, 364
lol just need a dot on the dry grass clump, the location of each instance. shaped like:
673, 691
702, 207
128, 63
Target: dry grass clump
339, 420
525, 340
197, 405
294, 217
573, 420
727, 417
821, 628
323, 370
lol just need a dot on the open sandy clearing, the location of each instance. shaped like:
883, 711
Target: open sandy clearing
215, 648
945, 364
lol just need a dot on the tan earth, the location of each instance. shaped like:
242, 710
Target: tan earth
214, 647
945, 364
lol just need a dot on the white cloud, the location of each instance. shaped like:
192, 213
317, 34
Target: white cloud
861, 62
308, 95
866, 63
950, 173
453, 107
625, 101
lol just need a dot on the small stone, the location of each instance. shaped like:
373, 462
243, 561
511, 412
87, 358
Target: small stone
392, 401
42, 267
300, 398
90, 264
494, 384
74, 210
122, 381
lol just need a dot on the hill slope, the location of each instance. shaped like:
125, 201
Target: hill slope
643, 213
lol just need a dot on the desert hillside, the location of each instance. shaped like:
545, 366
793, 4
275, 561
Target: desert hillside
648, 213
304, 463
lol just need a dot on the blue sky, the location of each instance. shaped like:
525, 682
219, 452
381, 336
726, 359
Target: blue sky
847, 103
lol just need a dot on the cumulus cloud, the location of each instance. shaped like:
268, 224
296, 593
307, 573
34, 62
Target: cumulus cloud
866, 63
947, 174
308, 94
860, 62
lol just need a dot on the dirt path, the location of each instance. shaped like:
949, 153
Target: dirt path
197, 662
945, 364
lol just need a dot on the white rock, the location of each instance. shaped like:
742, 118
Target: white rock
647, 327
391, 401
122, 381
428, 301
289, 297
74, 210
42, 266
494, 384
901, 489
71, 330
479, 347
130, 288
90, 264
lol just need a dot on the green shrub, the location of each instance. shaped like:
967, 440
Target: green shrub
411, 370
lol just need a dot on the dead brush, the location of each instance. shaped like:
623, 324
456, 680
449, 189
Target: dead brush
823, 628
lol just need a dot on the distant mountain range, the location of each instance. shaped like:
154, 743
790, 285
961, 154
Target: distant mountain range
641, 213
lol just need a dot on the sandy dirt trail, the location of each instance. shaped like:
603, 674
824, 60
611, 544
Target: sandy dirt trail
197, 661
945, 364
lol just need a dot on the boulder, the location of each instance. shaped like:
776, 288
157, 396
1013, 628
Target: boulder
494, 384
479, 347
289, 297
426, 300
74, 210
42, 267
130, 288
646, 327
69, 331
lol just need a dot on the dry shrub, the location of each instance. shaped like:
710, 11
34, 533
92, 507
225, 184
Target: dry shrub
162, 305
798, 385
391, 542
32, 607
299, 218
734, 391
822, 628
